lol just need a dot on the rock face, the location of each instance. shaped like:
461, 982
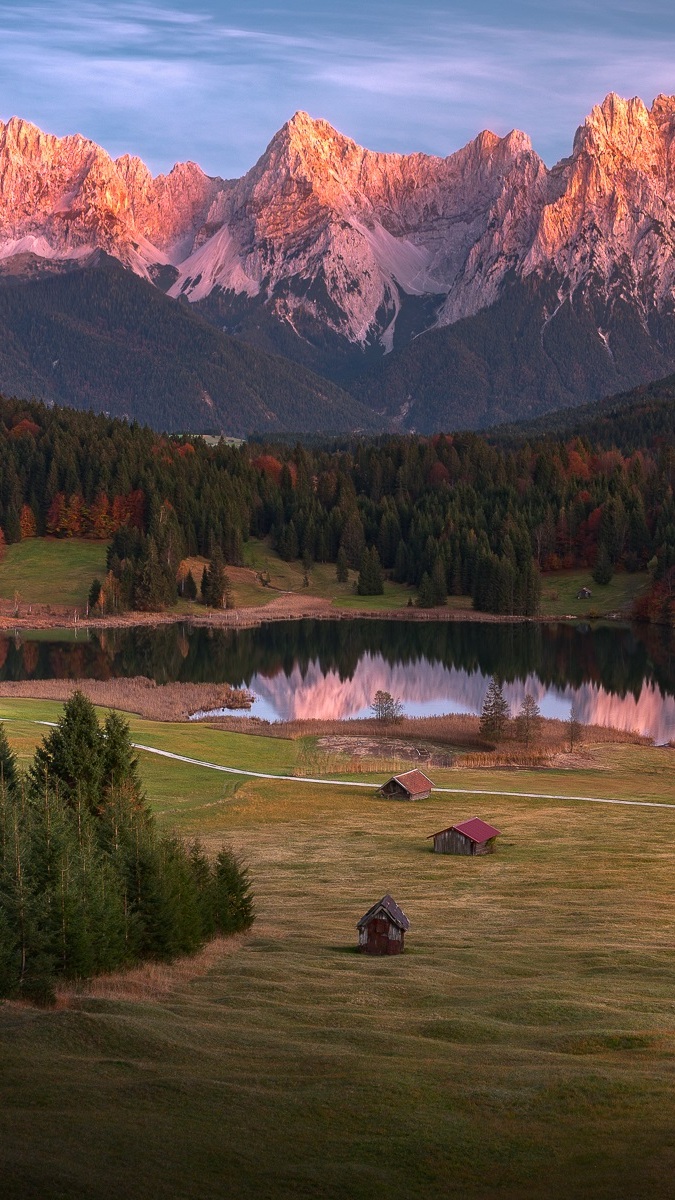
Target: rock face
322, 228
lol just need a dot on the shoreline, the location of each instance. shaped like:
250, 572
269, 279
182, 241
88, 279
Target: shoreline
289, 607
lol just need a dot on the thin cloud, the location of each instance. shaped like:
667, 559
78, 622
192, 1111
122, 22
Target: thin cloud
209, 84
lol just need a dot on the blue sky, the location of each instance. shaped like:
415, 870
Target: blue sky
213, 80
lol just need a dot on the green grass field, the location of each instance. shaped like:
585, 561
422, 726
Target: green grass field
51, 570
523, 1046
559, 593
287, 576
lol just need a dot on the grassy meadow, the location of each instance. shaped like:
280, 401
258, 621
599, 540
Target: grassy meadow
51, 571
523, 1046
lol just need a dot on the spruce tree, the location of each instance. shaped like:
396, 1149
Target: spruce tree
495, 712
8, 769
233, 899
190, 587
603, 570
342, 566
71, 756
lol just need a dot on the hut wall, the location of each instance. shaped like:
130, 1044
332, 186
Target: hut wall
395, 789
459, 843
487, 847
381, 936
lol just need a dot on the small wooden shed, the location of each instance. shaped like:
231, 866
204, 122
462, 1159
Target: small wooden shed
411, 785
383, 928
471, 837
584, 593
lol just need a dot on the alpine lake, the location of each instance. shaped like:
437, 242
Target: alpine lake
619, 675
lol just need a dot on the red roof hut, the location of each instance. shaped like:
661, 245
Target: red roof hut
411, 785
471, 837
383, 928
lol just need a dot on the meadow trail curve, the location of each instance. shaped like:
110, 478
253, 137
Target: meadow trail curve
197, 762
210, 766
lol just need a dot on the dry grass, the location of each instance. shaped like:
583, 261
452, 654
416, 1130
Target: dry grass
151, 981
454, 730
156, 702
503, 757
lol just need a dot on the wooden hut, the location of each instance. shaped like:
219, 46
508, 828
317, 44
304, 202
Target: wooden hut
584, 593
411, 785
382, 929
471, 837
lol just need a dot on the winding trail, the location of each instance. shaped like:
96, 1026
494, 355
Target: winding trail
209, 766
198, 762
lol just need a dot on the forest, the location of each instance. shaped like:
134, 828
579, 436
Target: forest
87, 882
453, 514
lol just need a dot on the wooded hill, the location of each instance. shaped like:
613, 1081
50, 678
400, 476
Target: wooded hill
508, 363
447, 515
642, 417
101, 338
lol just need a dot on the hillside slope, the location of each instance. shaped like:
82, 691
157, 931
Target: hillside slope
104, 339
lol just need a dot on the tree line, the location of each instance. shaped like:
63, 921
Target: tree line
447, 515
87, 882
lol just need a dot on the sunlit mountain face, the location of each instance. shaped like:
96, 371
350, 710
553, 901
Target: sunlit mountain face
330, 670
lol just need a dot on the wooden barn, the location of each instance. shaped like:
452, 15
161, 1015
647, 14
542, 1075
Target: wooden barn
383, 928
471, 837
411, 785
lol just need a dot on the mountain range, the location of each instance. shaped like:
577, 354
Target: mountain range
372, 290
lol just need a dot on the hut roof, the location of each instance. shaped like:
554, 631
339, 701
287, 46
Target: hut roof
414, 781
475, 829
392, 910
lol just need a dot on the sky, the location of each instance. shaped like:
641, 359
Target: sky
213, 80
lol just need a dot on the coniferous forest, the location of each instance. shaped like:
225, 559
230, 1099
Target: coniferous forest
449, 515
87, 883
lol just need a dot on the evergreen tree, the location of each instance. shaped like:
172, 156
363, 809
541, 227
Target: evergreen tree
190, 587
370, 581
215, 582
342, 566
94, 593
71, 758
425, 592
233, 899
495, 712
9, 775
603, 570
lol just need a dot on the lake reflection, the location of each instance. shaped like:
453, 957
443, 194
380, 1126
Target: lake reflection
620, 676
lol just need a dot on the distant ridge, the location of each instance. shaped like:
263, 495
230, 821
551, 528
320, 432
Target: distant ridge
442, 292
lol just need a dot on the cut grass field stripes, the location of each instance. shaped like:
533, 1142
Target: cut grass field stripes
209, 766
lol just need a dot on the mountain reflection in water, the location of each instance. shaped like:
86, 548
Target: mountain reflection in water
619, 675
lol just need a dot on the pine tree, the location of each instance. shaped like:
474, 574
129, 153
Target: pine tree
215, 581
603, 570
425, 592
190, 587
233, 899
342, 566
495, 712
9, 775
71, 756
370, 581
